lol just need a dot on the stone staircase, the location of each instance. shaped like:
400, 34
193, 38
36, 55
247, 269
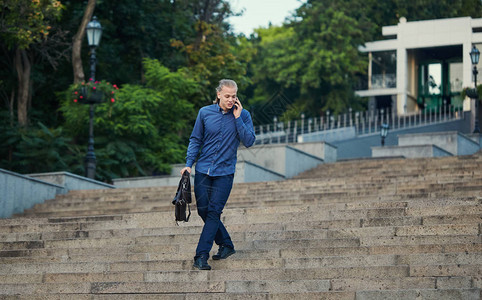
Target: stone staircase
366, 229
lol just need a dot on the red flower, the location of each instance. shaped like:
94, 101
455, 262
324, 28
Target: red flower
81, 97
93, 87
112, 100
90, 79
75, 100
112, 92
76, 92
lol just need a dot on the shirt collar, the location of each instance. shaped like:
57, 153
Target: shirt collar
222, 111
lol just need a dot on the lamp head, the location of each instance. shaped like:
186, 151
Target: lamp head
475, 55
94, 32
384, 130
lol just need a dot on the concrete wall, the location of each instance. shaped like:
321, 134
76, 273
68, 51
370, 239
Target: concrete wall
163, 180
176, 169
245, 172
71, 181
257, 163
271, 157
136, 182
410, 151
322, 150
451, 141
288, 159
298, 161
329, 136
476, 137
249, 172
18, 192
360, 147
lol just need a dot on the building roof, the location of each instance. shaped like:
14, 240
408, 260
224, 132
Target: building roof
428, 33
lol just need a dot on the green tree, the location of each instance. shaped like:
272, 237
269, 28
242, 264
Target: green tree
38, 149
211, 59
78, 70
271, 70
142, 132
24, 23
313, 60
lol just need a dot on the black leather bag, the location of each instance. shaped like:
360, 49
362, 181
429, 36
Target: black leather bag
182, 199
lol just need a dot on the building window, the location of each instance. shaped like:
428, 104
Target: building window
431, 76
384, 70
455, 77
440, 84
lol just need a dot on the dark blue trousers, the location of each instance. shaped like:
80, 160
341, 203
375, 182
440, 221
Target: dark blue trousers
212, 193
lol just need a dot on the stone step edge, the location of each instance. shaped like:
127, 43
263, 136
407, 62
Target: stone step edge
371, 250
85, 234
212, 286
282, 260
111, 217
61, 207
150, 276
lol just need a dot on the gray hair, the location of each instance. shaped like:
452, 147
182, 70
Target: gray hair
225, 82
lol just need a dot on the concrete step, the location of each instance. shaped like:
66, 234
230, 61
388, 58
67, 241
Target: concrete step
439, 294
112, 288
373, 229
244, 251
245, 262
267, 231
420, 240
79, 208
369, 288
411, 206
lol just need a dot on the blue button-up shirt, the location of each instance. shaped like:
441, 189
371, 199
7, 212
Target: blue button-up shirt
217, 135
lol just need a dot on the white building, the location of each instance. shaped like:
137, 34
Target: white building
422, 64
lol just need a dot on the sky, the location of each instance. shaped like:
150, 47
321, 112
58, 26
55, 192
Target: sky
258, 13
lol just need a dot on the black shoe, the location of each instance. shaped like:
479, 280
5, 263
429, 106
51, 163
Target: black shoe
224, 252
201, 263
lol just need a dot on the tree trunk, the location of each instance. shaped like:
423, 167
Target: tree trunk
23, 67
79, 75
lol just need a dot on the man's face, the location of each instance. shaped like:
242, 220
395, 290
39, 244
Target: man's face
227, 97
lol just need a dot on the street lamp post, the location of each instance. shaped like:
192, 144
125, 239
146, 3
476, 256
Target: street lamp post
384, 132
94, 32
474, 57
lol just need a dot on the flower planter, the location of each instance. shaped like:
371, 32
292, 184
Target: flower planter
93, 92
472, 93
92, 97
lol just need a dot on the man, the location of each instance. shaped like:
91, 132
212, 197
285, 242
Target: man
218, 130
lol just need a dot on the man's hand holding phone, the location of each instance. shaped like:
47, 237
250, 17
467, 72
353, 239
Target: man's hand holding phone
237, 108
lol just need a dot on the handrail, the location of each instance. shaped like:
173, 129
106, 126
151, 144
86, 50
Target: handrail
368, 122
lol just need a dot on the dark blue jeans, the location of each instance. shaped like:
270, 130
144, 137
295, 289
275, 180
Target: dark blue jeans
212, 193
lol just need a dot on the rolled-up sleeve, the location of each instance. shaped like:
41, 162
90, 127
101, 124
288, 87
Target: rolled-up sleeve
245, 129
195, 141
